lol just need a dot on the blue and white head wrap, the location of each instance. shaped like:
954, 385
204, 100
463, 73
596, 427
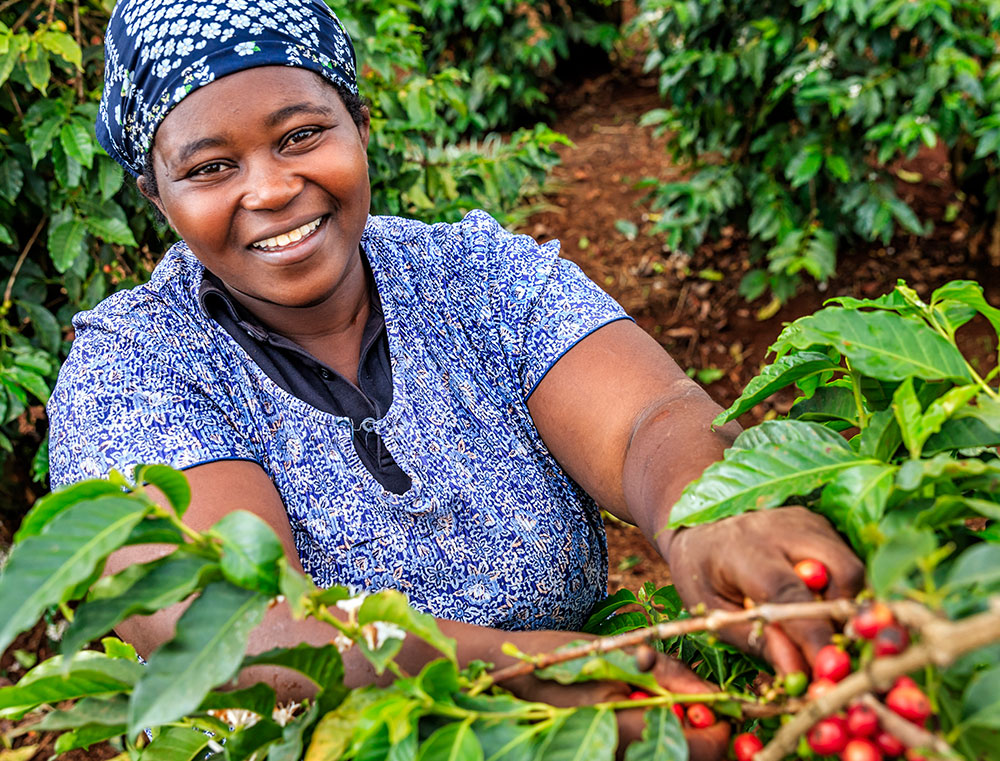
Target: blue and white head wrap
159, 51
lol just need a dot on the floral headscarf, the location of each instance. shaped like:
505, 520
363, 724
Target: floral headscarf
159, 51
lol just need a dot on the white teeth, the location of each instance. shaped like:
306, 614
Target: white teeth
292, 236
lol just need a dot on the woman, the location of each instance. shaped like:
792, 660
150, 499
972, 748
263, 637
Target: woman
436, 409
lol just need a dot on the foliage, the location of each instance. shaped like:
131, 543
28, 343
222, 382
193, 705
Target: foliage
919, 469
235, 571
73, 230
791, 116
509, 51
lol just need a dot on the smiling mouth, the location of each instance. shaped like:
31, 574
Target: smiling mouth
286, 239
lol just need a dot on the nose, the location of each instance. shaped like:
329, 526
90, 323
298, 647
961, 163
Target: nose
270, 185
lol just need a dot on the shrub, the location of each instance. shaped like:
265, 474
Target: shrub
789, 116
73, 229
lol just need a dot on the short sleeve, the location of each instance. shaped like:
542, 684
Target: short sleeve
117, 405
542, 304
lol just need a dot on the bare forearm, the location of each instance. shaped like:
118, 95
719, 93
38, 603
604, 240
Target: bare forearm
672, 445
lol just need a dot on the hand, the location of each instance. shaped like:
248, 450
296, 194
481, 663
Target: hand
707, 744
752, 556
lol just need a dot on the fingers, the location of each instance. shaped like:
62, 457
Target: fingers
818, 540
708, 744
675, 676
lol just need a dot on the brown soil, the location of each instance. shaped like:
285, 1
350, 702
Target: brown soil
703, 323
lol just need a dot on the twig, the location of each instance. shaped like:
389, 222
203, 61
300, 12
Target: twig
908, 733
24, 16
940, 644
51, 14
13, 100
21, 258
78, 36
714, 621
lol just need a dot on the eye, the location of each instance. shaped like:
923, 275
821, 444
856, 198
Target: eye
208, 169
301, 135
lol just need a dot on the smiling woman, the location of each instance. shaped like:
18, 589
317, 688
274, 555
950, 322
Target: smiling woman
437, 409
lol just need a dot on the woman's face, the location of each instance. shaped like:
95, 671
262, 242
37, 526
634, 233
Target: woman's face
265, 176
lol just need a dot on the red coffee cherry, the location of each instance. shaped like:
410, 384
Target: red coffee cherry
905, 681
889, 744
861, 749
828, 736
813, 574
891, 640
862, 721
745, 746
678, 710
831, 663
912, 755
819, 687
871, 619
910, 703
638, 695
700, 715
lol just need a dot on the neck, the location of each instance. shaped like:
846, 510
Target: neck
337, 320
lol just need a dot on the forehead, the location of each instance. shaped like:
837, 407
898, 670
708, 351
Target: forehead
248, 97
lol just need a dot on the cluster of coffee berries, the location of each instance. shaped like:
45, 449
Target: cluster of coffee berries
858, 736
696, 715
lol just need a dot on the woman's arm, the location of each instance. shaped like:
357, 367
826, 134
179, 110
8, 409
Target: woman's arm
633, 430
221, 487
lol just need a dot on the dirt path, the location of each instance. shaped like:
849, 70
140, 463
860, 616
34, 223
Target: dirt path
704, 323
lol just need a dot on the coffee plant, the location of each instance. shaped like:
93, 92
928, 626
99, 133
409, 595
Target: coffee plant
790, 117
73, 228
894, 439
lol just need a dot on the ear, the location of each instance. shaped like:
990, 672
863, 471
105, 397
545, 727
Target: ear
364, 129
147, 192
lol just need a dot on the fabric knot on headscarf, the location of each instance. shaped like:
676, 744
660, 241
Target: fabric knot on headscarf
157, 52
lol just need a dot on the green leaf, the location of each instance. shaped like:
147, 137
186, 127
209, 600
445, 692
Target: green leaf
289, 746
333, 733
89, 674
259, 699
881, 437
978, 565
786, 432
608, 606
981, 701
831, 402
882, 345
250, 551
175, 744
895, 559
110, 229
30, 381
110, 176
615, 665
48, 331
76, 139
63, 45
166, 582
391, 606
855, 501
173, 483
504, 740
207, 650
963, 432
970, 293
761, 478
36, 66
785, 371
804, 165
250, 743
298, 588
588, 734
84, 737
43, 568
321, 665
41, 136
452, 742
110, 713
11, 179
67, 242
662, 738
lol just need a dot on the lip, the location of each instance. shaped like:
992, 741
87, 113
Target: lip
293, 252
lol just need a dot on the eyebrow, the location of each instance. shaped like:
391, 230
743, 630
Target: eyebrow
190, 149
295, 109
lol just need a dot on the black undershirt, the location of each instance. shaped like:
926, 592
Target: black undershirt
302, 375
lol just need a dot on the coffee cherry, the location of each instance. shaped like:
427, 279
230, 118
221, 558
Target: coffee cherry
745, 746
638, 695
861, 749
700, 715
912, 755
831, 663
813, 574
796, 683
862, 721
889, 744
828, 736
891, 640
905, 681
678, 710
871, 619
910, 703
819, 687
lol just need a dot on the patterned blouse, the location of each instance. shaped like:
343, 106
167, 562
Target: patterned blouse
492, 531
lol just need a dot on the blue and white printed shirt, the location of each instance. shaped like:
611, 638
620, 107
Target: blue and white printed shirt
492, 531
